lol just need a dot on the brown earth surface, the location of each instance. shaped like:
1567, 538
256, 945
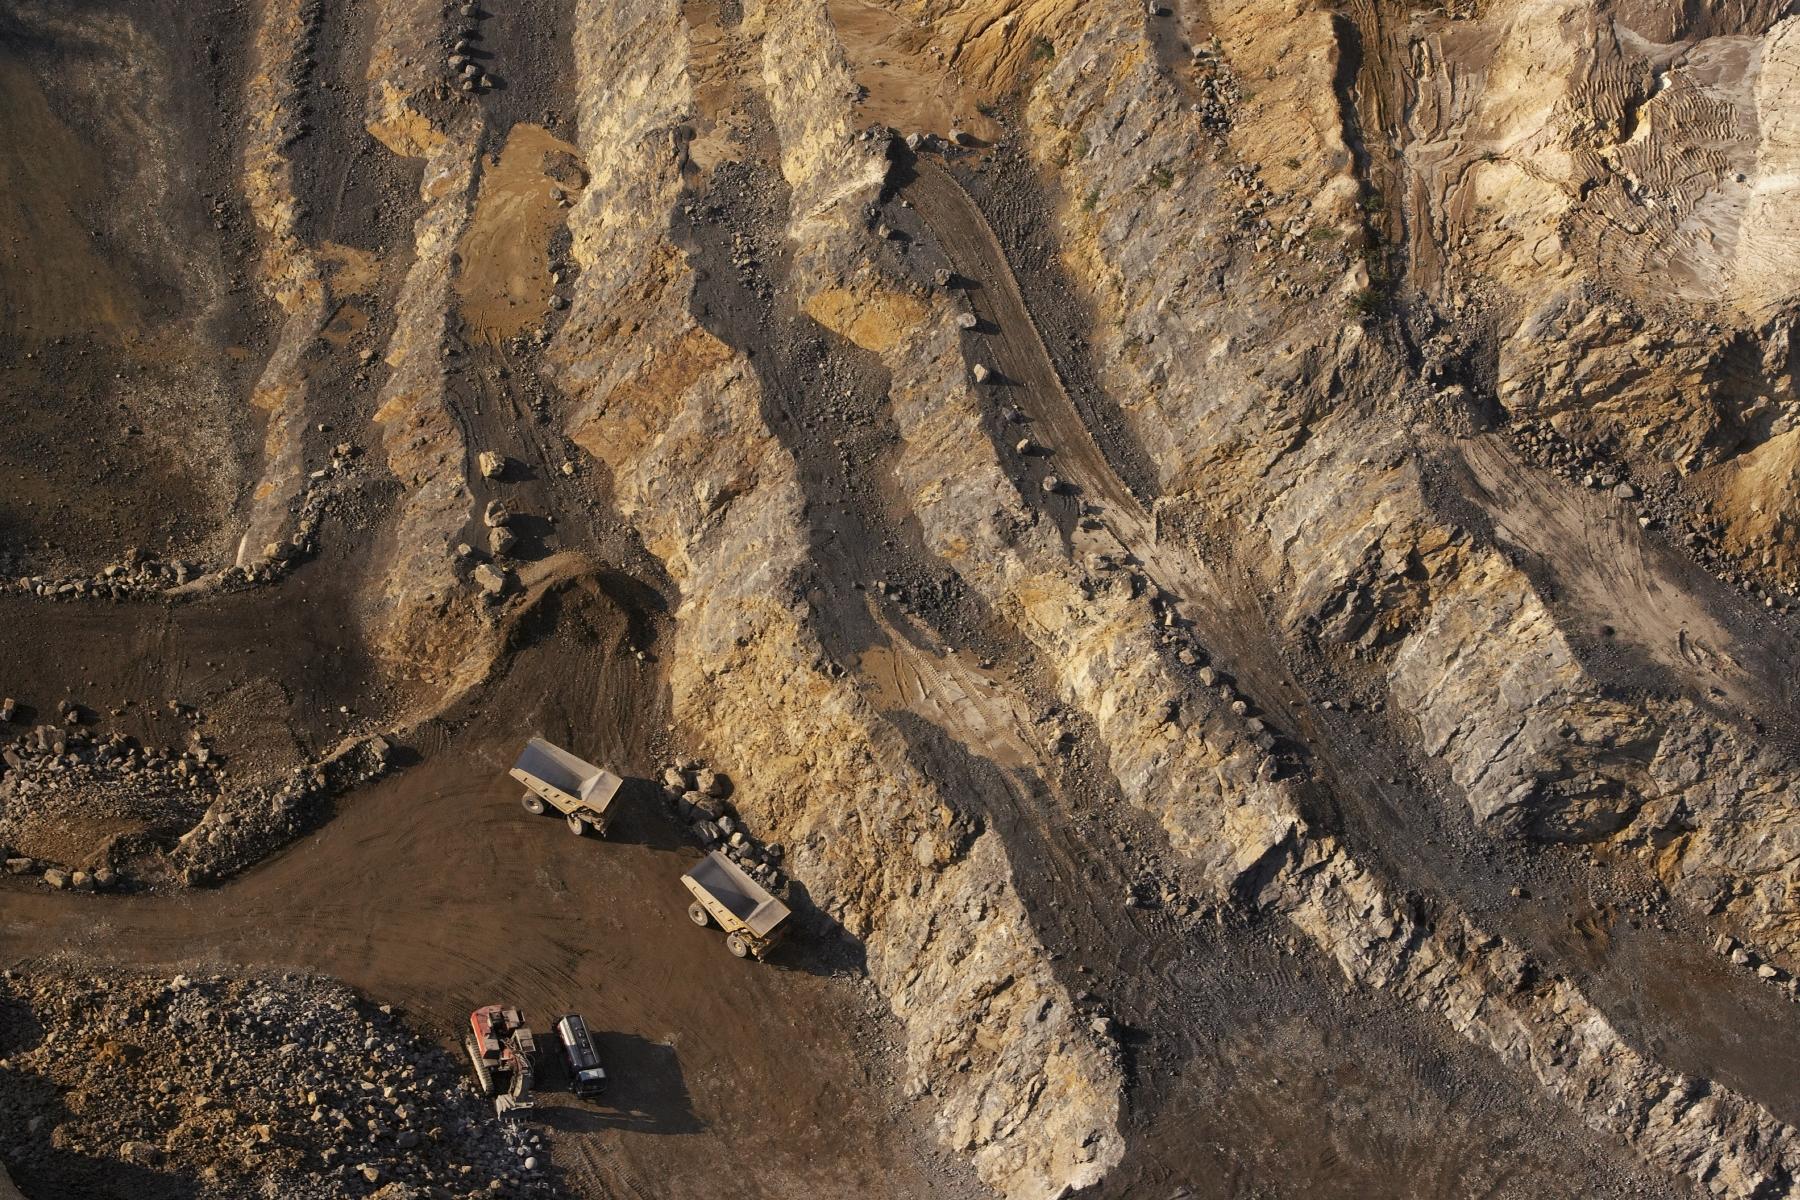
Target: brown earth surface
1238, 558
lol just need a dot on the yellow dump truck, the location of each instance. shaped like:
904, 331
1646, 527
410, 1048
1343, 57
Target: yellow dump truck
751, 918
554, 778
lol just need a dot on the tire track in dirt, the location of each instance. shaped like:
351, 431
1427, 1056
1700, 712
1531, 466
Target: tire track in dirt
825, 400
1605, 567
1151, 976
1219, 602
1008, 335
434, 891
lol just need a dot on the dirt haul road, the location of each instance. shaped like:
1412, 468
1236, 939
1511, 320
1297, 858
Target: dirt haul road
437, 892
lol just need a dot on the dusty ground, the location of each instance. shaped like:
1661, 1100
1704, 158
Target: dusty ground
435, 892
1268, 645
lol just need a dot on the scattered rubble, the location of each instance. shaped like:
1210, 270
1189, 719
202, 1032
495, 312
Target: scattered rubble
243, 825
698, 797
68, 772
277, 1085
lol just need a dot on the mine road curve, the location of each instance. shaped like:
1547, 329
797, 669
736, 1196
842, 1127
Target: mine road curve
1017, 349
1401, 823
435, 891
1225, 613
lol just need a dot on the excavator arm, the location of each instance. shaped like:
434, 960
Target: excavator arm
522, 1079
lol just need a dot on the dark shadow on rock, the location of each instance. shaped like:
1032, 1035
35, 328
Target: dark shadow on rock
637, 598
66, 1175
815, 943
44, 1171
400, 757
20, 1029
533, 532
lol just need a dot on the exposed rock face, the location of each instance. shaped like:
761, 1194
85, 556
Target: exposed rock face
1470, 651
675, 415
1307, 469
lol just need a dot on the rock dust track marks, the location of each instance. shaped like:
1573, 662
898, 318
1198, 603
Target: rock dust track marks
504, 284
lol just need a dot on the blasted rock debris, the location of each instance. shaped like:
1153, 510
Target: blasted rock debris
240, 1084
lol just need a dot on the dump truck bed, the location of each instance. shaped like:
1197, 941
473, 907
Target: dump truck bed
741, 895
579, 780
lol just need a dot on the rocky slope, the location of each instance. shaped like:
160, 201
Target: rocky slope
1129, 493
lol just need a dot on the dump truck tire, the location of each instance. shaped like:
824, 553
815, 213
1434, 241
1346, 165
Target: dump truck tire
532, 804
737, 945
577, 825
484, 1078
697, 914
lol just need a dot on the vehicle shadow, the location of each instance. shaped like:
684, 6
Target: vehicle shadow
817, 944
644, 817
645, 1091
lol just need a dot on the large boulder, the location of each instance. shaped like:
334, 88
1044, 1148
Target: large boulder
492, 580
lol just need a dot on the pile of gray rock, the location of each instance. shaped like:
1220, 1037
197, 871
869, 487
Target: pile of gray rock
1740, 955
141, 575
466, 74
1217, 86
53, 774
244, 825
136, 574
1687, 517
487, 571
323, 486
283, 1085
700, 799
